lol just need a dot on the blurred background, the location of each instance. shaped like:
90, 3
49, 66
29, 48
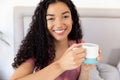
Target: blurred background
7, 52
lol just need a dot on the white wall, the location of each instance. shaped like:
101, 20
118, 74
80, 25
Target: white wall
98, 3
6, 25
79, 3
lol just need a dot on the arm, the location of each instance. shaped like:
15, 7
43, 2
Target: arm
25, 72
71, 59
84, 75
85, 71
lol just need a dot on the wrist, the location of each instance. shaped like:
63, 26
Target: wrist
84, 75
84, 71
58, 66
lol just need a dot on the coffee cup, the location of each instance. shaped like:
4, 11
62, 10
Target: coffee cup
91, 51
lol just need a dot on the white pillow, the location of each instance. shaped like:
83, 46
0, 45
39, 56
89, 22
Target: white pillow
108, 72
118, 66
94, 74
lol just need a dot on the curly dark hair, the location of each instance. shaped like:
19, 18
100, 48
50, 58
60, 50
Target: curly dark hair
38, 43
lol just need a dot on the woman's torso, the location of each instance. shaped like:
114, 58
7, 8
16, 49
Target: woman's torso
69, 75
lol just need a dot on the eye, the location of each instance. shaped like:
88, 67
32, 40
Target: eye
50, 19
65, 17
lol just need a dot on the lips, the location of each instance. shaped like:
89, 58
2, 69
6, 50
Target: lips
61, 31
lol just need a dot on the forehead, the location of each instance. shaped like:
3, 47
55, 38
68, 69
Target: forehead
57, 7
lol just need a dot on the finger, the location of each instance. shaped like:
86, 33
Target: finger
80, 56
100, 51
77, 46
73, 46
80, 61
78, 51
99, 58
89, 64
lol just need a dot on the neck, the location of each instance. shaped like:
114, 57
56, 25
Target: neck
60, 45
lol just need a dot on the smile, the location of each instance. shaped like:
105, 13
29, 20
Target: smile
59, 31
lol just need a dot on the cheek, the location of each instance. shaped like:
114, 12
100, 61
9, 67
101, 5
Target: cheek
49, 26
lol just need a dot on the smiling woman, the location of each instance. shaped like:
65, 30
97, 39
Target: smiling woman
46, 47
93, 21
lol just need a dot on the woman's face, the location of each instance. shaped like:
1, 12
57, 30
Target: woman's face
59, 20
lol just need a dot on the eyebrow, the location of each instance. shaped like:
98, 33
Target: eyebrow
62, 13
66, 12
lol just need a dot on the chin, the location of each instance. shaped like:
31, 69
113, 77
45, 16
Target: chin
60, 39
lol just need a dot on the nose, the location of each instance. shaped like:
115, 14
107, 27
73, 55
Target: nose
58, 22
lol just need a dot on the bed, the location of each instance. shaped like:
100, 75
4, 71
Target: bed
100, 26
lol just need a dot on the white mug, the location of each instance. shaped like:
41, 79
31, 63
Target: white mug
91, 50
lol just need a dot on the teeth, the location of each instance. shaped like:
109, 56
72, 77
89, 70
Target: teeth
59, 31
